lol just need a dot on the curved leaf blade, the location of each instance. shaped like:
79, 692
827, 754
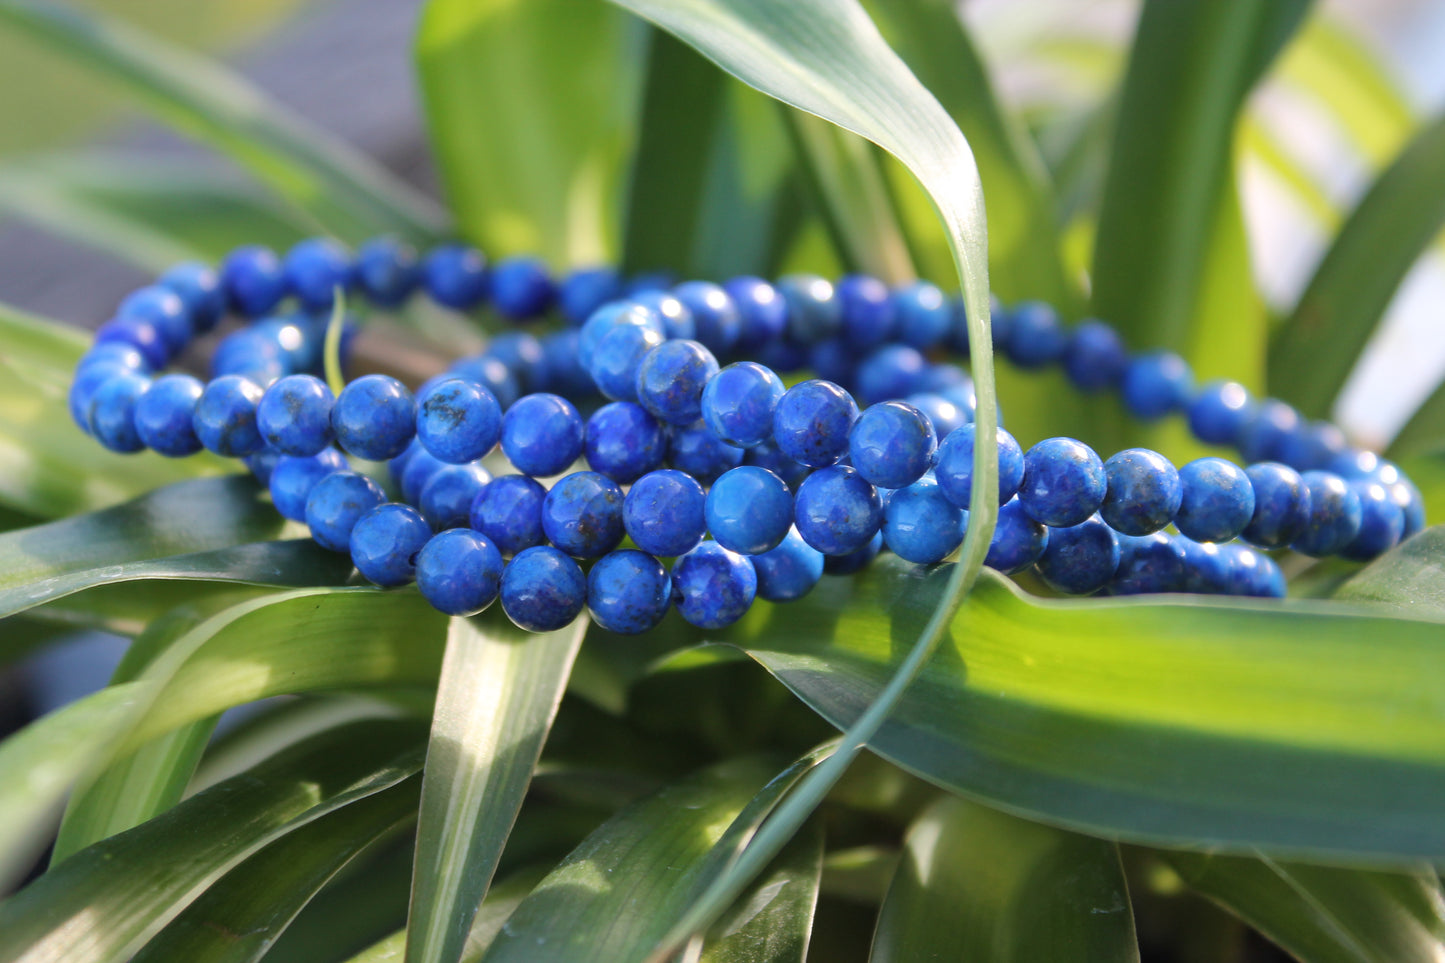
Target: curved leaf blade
773, 921
1410, 577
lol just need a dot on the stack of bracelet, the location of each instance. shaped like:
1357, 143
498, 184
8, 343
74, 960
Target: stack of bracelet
788, 482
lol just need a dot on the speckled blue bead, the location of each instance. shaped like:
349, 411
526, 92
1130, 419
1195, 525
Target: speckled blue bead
164, 415
458, 420
664, 513
953, 466
315, 268
508, 510
334, 505
582, 514
1148, 564
671, 378
225, 417
762, 312
715, 586
717, 321
446, 498
138, 333
385, 542
738, 403
868, 312
812, 421
1095, 356
163, 308
82, 390
624, 442
1063, 483
1250, 573
1156, 384
521, 288
892, 444
1036, 337
769, 456
789, 571
1335, 515
374, 417
893, 371
1206, 567
113, 355
456, 276
112, 412
922, 315
1018, 540
253, 280
293, 478
618, 358
1079, 559
1218, 500
584, 290
1281, 505
1265, 428
251, 355
677, 319
749, 510
814, 312
492, 374
614, 315
459, 572
700, 453
1143, 493
921, 525
1382, 522
199, 288
628, 592
418, 471
387, 271
1219, 411
294, 415
944, 415
543, 590
542, 434
837, 510
854, 561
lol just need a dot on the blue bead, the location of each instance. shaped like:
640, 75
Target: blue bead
624, 442
163, 415
385, 543
749, 510
953, 466
671, 378
1412, 503
812, 421
294, 415
1207, 566
717, 321
783, 356
446, 498
1268, 424
789, 571
1079, 559
112, 412
492, 374
1001, 324
648, 281
1218, 500
767, 455
458, 421
1313, 446
1017, 541
199, 289
854, 561
293, 478
162, 308
923, 314
1143, 493
262, 464
944, 415
225, 418
522, 289
543, 590
582, 514
459, 572
561, 371
456, 276
298, 342
587, 289
664, 513
81, 397
1281, 505
762, 312
542, 435
1354, 464
892, 444
315, 268
1036, 337
869, 315
738, 403
618, 358
1156, 384
1095, 357
893, 371
508, 510
701, 454
419, 470
628, 592
253, 279
814, 312
921, 525
112, 354
1335, 515
832, 360
837, 510
1250, 573
335, 504
1219, 411
1382, 522
1063, 482
957, 326
520, 352
716, 586
249, 354
1147, 564
139, 334
374, 417
387, 271
611, 316
676, 317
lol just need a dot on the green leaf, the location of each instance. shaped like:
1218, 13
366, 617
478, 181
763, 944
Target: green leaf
346, 192
104, 902
1325, 915
497, 697
1409, 577
976, 884
773, 921
1425, 431
531, 155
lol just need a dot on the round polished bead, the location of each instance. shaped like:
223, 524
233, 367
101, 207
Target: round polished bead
1382, 522
1281, 505
582, 514
715, 586
250, 354
199, 288
138, 333
868, 312
1143, 494
584, 290
769, 456
163, 308
832, 360
292, 479
1219, 411
892, 444
1156, 384
1335, 515
458, 420
1063, 483
225, 418
294, 415
921, 525
837, 510
1036, 337
315, 269
893, 371
749, 510
1355, 464
677, 319
700, 453
1095, 357
418, 471
114, 355
814, 312
112, 412
385, 542
762, 312
717, 321
854, 561
1206, 567
1217, 502
789, 571
944, 415
664, 513
1267, 425
614, 315
543, 590
459, 572
508, 510
374, 417
521, 288
922, 315
671, 378
615, 363
1002, 324
784, 356
812, 421
387, 271
561, 371
81, 397
253, 279
542, 435
335, 504
739, 401
456, 276
1411, 502
1018, 540
492, 374
624, 442
953, 466
446, 498
628, 592
1250, 573
1313, 446
262, 464
165, 413
521, 353
1148, 564
1079, 559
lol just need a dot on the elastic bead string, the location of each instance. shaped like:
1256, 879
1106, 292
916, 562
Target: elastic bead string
755, 489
